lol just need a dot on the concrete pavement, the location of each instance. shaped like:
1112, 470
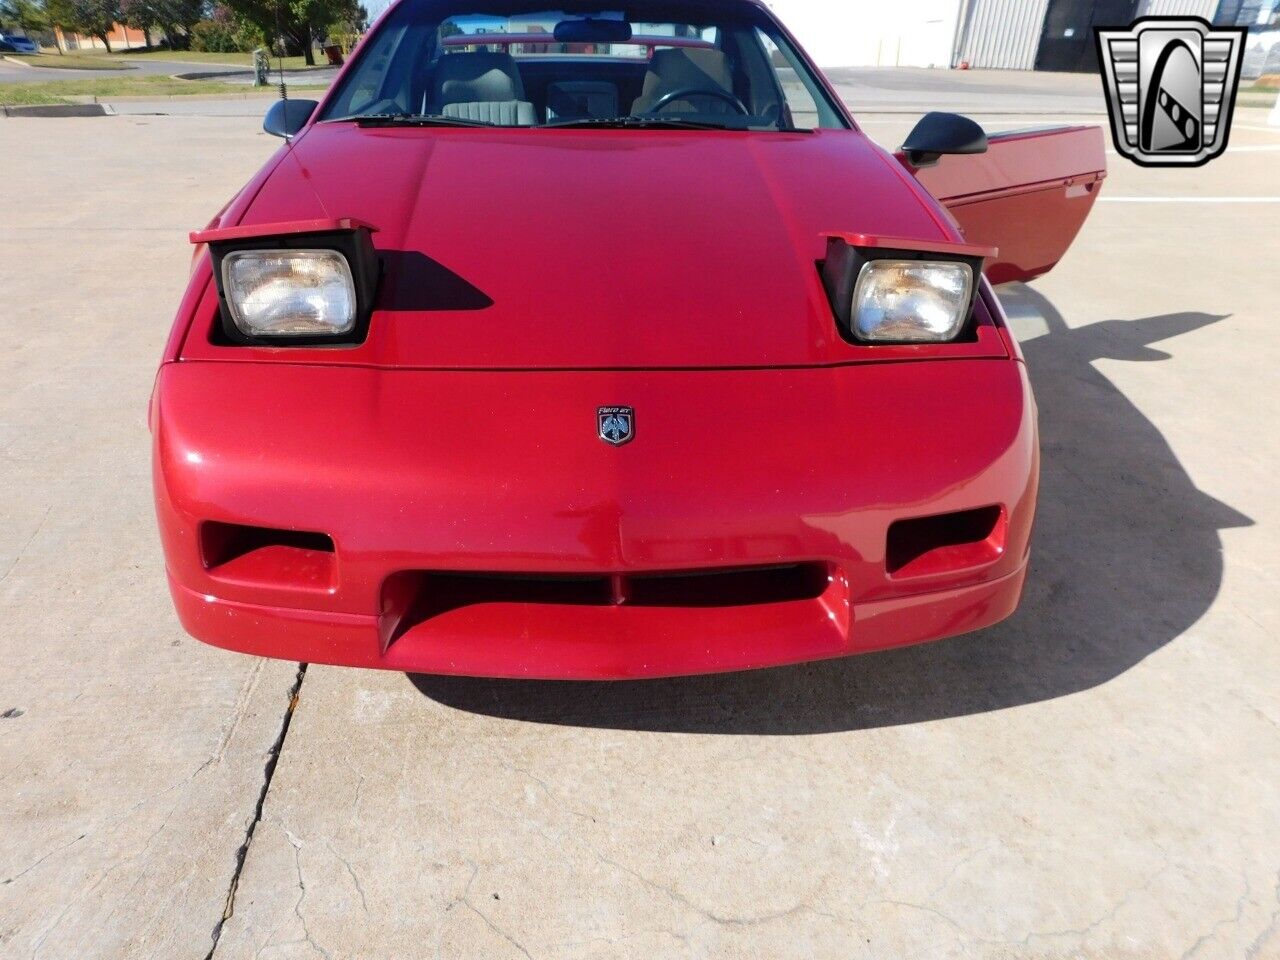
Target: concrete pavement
131, 757
1096, 778
918, 90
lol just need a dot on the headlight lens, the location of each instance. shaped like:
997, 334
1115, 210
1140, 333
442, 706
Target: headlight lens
290, 293
911, 301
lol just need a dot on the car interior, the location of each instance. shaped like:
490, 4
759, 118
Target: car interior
495, 87
552, 68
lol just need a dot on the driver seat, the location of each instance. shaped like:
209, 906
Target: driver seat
684, 69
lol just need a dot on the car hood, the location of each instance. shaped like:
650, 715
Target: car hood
595, 248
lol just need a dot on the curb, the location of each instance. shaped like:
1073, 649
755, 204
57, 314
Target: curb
298, 76
60, 110
91, 71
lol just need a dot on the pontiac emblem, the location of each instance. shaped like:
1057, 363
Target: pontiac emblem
617, 425
1171, 87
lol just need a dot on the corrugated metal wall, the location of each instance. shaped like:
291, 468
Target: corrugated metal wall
1002, 34
1178, 8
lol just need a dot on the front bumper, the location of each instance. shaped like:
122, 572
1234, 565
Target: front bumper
410, 474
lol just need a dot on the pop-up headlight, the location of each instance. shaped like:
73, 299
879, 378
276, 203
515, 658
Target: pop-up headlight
296, 283
290, 293
893, 291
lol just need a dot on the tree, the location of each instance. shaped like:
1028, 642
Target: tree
25, 14
141, 15
346, 30
295, 23
92, 17
176, 18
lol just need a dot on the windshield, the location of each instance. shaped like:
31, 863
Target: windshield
667, 63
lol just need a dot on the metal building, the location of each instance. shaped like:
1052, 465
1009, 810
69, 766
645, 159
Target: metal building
984, 34
1051, 34
1000, 34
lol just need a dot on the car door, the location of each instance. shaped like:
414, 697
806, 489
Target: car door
1029, 194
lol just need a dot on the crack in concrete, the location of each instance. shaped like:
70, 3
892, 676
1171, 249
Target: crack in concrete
1269, 931
30, 540
1231, 921
967, 936
485, 919
720, 920
302, 895
55, 850
364, 903
273, 757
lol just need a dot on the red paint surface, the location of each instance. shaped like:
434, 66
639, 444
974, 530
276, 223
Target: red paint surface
918, 246
532, 276
503, 472
1029, 195
286, 229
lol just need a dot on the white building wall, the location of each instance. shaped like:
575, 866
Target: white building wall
870, 33
1178, 8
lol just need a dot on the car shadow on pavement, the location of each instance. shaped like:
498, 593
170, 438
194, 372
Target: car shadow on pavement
1126, 557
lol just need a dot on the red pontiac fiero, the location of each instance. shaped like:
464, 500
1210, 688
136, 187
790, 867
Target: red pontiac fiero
598, 342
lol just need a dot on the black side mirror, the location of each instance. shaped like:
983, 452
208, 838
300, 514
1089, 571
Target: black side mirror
940, 133
287, 117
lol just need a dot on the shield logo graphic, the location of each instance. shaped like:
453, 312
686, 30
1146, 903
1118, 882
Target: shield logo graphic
617, 425
1171, 88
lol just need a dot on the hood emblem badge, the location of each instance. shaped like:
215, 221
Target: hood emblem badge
617, 425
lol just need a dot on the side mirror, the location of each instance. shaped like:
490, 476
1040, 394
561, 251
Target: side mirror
287, 117
941, 133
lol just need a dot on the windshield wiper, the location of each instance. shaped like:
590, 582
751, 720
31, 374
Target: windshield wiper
415, 120
653, 123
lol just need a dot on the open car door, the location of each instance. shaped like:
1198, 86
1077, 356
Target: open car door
1029, 194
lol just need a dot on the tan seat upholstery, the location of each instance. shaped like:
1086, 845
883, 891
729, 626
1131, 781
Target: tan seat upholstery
685, 69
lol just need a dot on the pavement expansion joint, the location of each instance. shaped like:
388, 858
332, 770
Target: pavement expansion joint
273, 757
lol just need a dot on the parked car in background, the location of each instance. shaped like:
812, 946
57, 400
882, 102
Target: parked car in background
14, 44
1261, 52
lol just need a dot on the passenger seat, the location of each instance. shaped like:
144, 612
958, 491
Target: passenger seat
479, 86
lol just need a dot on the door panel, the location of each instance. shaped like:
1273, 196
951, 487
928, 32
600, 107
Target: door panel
1029, 195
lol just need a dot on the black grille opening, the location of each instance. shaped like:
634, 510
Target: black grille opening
411, 599
948, 542
733, 588
222, 543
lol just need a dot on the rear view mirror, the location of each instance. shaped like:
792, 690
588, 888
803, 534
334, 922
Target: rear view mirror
591, 30
287, 117
943, 133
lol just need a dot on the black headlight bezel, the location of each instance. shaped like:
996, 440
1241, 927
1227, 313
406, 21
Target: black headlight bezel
352, 239
848, 253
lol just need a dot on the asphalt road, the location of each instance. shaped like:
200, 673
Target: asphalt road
11, 72
1095, 779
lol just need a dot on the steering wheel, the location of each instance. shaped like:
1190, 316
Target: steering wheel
684, 92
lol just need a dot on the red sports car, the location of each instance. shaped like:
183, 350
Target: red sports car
599, 342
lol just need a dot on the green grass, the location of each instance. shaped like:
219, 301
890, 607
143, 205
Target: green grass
74, 61
1253, 95
104, 88
194, 56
